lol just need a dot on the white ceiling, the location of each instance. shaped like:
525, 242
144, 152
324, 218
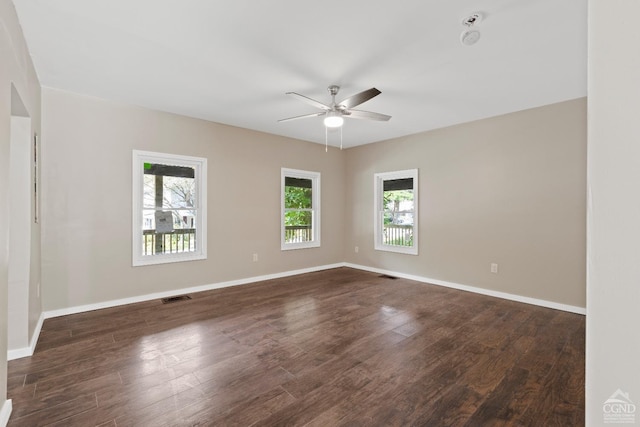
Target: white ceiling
232, 62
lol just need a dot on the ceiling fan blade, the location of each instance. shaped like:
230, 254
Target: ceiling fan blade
308, 100
322, 113
359, 98
359, 114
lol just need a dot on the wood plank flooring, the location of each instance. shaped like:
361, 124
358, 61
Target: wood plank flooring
331, 348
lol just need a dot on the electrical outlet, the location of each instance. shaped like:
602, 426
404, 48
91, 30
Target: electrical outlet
38, 289
357, 249
494, 267
255, 257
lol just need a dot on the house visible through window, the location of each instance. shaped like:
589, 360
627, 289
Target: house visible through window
169, 208
396, 222
300, 198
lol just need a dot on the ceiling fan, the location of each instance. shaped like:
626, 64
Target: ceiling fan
335, 112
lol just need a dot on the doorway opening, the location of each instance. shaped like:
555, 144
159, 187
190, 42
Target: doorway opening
20, 215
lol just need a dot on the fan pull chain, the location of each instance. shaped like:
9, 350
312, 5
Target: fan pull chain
326, 138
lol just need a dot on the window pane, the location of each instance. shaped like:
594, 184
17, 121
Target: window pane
398, 235
300, 210
149, 193
396, 203
184, 219
170, 208
396, 225
168, 186
179, 219
298, 226
176, 235
298, 218
388, 217
398, 212
298, 193
178, 192
148, 219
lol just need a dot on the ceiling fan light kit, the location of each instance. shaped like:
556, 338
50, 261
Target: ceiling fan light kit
333, 120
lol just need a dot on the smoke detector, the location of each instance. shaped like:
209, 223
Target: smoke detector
471, 36
468, 38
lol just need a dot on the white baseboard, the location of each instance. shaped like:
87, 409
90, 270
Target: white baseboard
158, 295
248, 280
5, 413
482, 291
28, 351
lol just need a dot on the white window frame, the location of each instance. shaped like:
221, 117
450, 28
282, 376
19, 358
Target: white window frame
200, 175
379, 179
315, 210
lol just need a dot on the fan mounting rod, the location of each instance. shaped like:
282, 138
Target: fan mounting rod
333, 90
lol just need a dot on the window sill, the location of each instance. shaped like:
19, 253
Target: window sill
167, 258
397, 249
293, 246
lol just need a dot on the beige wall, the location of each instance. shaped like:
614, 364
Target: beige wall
613, 284
508, 190
86, 248
16, 68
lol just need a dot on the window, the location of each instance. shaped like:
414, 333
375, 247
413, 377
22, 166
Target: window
300, 201
396, 211
169, 208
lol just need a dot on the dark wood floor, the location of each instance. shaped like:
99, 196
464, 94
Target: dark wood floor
339, 347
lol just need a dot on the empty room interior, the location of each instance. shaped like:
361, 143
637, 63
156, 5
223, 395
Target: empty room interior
318, 214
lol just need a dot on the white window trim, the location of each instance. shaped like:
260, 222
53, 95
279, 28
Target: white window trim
379, 179
200, 166
315, 201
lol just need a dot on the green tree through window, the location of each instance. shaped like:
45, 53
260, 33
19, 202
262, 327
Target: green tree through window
298, 202
300, 209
